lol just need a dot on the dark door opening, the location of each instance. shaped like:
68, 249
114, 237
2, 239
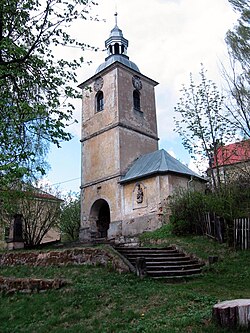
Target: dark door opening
103, 221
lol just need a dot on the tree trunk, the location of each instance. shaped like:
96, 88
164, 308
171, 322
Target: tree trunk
232, 314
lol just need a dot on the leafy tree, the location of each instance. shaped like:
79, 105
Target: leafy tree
70, 217
238, 39
238, 75
36, 88
200, 123
237, 103
39, 211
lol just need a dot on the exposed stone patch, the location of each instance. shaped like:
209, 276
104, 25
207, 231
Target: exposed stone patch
76, 256
27, 285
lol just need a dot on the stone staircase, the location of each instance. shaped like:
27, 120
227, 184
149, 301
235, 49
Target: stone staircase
168, 262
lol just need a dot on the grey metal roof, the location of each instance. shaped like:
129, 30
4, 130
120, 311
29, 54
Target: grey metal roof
116, 31
116, 35
120, 58
158, 162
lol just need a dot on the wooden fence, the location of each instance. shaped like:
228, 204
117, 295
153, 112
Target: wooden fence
242, 233
215, 227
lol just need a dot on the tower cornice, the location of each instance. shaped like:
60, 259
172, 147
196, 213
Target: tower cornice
112, 66
121, 125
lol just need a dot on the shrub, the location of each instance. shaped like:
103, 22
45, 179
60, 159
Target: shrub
70, 217
187, 209
162, 233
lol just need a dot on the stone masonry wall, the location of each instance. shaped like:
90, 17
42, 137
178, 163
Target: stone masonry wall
77, 256
26, 285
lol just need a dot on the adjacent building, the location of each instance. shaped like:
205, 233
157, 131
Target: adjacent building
232, 162
31, 218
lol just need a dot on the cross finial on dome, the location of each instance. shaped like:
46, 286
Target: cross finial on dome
116, 14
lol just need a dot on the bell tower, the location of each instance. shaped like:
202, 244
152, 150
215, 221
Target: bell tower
118, 126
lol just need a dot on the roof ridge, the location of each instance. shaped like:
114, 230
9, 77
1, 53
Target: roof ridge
163, 163
156, 162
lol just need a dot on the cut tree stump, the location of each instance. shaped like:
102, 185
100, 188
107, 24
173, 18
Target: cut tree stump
232, 314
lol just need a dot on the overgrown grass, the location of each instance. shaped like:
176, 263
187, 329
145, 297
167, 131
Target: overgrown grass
198, 245
102, 301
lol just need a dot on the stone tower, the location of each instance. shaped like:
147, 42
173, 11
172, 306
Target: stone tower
118, 126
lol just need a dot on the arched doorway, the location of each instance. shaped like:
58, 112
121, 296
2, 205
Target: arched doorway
100, 215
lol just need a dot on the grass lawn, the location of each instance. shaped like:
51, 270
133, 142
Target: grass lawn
102, 301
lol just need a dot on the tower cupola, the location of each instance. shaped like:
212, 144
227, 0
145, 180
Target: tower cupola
116, 46
116, 43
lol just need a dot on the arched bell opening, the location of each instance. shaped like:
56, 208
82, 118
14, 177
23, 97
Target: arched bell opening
117, 48
100, 217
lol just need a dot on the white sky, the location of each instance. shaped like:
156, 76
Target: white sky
168, 39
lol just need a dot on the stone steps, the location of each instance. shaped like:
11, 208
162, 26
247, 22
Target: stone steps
183, 261
173, 273
167, 267
166, 263
147, 250
157, 256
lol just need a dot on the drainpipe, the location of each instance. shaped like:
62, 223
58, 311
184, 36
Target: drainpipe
190, 181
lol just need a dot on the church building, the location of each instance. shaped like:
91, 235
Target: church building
125, 178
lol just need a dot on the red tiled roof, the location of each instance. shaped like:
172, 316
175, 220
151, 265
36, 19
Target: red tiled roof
38, 193
234, 153
44, 195
33, 191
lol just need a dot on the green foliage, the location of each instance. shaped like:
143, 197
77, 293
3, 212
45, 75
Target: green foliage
238, 101
35, 87
181, 227
40, 211
199, 120
232, 201
70, 217
199, 245
187, 209
238, 39
238, 78
162, 233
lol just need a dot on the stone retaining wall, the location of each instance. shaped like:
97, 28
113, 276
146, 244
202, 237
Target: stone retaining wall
11, 285
77, 256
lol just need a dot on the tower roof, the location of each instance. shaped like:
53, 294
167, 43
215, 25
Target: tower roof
116, 46
157, 162
116, 32
116, 57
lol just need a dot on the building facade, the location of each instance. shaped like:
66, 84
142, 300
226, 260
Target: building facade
231, 164
121, 194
